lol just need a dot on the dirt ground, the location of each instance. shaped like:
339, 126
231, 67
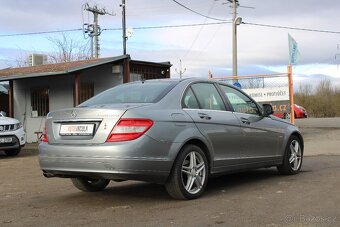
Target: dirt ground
255, 198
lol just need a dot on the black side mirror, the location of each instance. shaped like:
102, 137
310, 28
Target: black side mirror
267, 110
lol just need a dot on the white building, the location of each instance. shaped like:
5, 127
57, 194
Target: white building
34, 91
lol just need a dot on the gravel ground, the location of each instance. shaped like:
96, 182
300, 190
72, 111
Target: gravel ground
255, 198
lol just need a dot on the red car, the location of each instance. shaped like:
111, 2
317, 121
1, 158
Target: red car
299, 111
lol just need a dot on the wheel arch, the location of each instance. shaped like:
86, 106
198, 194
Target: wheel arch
299, 136
203, 146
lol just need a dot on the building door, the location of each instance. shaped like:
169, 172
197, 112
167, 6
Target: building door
4, 101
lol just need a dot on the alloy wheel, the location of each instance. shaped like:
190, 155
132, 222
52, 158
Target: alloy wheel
295, 155
193, 172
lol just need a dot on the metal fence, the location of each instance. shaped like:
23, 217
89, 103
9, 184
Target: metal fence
276, 89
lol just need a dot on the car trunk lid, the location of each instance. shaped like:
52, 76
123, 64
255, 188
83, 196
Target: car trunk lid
84, 125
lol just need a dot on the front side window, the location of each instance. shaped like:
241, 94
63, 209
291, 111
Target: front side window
240, 102
208, 96
40, 102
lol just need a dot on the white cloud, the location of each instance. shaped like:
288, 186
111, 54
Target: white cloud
210, 45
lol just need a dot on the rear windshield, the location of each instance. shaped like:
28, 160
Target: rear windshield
138, 92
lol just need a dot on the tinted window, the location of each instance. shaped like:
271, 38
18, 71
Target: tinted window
189, 100
139, 92
240, 102
208, 96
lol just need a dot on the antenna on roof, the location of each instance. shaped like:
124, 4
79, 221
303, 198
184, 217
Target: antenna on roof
180, 71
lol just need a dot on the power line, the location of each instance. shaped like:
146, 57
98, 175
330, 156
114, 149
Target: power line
115, 29
175, 26
206, 16
199, 32
170, 26
43, 32
293, 28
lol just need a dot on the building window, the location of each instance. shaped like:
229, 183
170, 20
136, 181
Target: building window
86, 91
146, 72
40, 102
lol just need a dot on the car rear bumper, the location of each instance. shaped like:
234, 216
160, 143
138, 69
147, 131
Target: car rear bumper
116, 161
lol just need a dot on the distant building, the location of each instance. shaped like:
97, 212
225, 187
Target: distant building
34, 91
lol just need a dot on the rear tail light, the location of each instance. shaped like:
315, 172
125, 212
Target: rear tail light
44, 136
129, 129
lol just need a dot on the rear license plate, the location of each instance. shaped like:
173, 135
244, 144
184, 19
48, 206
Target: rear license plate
6, 140
77, 130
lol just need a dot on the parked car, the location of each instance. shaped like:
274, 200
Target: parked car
299, 112
12, 135
174, 132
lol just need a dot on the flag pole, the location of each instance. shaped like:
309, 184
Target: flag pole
291, 96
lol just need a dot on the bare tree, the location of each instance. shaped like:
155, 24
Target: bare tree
21, 60
67, 49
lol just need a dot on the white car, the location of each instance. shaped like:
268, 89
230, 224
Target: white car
12, 135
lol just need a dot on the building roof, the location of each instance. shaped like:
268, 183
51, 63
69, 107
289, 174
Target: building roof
55, 69
68, 67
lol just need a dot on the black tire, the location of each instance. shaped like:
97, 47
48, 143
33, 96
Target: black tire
293, 156
90, 185
186, 173
12, 153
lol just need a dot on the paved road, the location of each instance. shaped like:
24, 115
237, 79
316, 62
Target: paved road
256, 198
321, 135
319, 123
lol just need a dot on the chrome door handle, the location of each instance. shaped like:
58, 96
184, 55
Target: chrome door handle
245, 120
204, 116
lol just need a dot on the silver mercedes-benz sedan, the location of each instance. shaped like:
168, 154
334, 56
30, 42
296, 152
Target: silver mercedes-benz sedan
173, 132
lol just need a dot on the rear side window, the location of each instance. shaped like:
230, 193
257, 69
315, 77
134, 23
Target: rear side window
138, 92
208, 96
190, 101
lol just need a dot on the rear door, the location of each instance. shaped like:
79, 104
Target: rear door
204, 104
261, 134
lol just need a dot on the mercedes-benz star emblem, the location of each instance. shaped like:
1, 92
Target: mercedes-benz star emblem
73, 114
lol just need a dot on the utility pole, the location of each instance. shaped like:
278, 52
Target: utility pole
235, 21
180, 71
338, 47
234, 37
124, 26
93, 30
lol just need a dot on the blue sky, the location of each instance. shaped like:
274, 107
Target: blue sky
201, 48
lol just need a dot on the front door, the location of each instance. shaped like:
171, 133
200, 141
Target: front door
261, 134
